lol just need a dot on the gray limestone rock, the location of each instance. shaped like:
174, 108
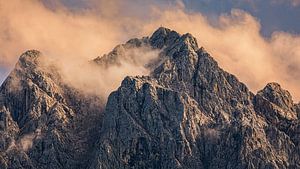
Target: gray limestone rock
234, 132
150, 126
188, 113
37, 118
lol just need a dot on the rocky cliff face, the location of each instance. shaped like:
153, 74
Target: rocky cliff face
188, 113
40, 124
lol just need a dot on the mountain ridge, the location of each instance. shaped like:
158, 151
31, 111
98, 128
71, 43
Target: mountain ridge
187, 113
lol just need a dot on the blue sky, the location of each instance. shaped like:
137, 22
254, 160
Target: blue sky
273, 15
3, 73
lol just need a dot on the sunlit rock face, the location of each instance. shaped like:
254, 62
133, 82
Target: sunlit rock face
187, 113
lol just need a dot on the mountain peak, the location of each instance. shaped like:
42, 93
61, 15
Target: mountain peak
163, 37
162, 31
275, 94
189, 40
186, 113
31, 54
273, 85
172, 40
29, 58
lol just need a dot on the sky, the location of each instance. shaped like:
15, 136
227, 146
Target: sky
274, 15
257, 40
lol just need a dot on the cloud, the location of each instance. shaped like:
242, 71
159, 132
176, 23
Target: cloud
72, 38
234, 40
25, 142
30, 24
211, 134
236, 43
294, 3
94, 79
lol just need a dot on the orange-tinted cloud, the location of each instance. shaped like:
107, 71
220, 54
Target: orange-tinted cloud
236, 43
234, 40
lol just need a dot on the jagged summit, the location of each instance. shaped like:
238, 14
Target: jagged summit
187, 113
166, 40
275, 103
29, 58
275, 94
31, 53
164, 37
180, 112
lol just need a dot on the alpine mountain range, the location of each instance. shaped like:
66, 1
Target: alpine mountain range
188, 113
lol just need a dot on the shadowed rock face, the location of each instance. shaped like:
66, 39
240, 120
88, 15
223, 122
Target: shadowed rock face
188, 113
297, 109
41, 125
